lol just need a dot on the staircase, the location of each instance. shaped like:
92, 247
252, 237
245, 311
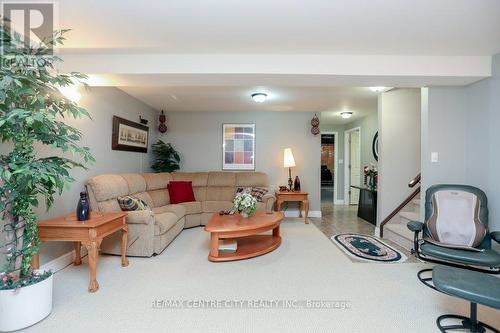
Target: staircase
393, 227
396, 229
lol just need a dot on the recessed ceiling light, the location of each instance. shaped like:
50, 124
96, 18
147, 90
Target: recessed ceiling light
377, 89
259, 97
346, 114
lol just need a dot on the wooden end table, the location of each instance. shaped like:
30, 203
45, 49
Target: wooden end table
89, 233
247, 232
292, 196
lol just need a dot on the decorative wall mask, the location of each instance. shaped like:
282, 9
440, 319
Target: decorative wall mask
162, 128
315, 125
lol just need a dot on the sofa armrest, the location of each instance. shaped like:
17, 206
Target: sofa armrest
415, 226
495, 235
141, 217
268, 199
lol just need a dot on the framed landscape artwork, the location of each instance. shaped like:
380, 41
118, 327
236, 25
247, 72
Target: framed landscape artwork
129, 136
238, 147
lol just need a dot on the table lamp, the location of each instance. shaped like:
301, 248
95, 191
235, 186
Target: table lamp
289, 162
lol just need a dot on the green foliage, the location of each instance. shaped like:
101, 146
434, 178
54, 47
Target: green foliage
32, 113
167, 159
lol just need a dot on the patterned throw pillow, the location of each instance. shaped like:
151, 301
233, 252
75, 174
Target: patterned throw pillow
256, 192
129, 203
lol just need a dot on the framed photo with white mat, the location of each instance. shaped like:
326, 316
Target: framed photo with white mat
238, 147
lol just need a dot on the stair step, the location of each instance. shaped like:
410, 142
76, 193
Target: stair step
416, 202
399, 234
410, 216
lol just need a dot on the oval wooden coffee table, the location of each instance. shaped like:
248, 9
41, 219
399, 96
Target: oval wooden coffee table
247, 232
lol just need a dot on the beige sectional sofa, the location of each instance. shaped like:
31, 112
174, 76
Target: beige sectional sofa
151, 231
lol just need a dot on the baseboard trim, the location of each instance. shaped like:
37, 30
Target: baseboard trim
62, 262
295, 213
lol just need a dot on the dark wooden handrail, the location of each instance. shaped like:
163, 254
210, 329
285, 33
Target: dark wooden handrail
411, 184
414, 181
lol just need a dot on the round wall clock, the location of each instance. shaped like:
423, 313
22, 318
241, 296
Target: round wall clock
375, 147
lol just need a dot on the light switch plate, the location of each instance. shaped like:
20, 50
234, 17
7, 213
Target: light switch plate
434, 157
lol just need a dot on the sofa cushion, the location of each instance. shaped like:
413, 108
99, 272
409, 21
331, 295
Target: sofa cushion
107, 187
192, 220
216, 206
197, 178
178, 210
256, 192
156, 181
135, 182
200, 193
251, 179
180, 191
144, 196
159, 197
129, 203
164, 222
217, 193
222, 179
110, 205
192, 207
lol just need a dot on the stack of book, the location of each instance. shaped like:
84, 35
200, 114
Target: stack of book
228, 246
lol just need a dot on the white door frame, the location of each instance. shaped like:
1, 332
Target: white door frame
347, 162
335, 163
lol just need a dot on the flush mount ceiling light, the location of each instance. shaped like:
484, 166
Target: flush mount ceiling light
346, 114
259, 97
377, 89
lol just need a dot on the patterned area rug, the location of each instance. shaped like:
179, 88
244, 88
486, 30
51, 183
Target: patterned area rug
367, 248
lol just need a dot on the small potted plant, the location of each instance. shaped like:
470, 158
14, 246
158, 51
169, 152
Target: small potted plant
32, 113
245, 204
371, 175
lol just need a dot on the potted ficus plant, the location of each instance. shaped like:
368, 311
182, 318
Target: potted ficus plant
32, 110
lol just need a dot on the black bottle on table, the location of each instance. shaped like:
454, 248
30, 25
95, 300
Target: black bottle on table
296, 184
83, 208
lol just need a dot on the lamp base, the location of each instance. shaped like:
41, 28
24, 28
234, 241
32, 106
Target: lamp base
290, 182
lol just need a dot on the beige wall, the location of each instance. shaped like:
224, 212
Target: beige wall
102, 103
399, 147
198, 138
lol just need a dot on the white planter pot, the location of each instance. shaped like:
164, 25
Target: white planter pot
25, 307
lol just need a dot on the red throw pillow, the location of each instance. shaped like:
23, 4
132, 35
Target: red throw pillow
180, 191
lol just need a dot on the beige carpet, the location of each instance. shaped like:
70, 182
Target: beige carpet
383, 297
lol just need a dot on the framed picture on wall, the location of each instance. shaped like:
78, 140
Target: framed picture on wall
129, 136
238, 147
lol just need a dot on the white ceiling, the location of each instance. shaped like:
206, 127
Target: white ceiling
316, 99
210, 55
386, 27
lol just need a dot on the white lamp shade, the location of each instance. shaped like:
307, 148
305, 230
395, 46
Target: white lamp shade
288, 160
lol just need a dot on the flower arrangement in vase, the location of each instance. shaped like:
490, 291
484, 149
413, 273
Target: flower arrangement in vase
245, 204
371, 175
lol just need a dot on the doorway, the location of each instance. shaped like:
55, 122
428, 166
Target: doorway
352, 170
329, 156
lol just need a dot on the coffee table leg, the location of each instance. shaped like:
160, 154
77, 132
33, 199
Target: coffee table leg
78, 256
276, 231
214, 244
124, 246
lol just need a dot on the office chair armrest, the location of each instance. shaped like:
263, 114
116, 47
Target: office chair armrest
415, 226
496, 236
